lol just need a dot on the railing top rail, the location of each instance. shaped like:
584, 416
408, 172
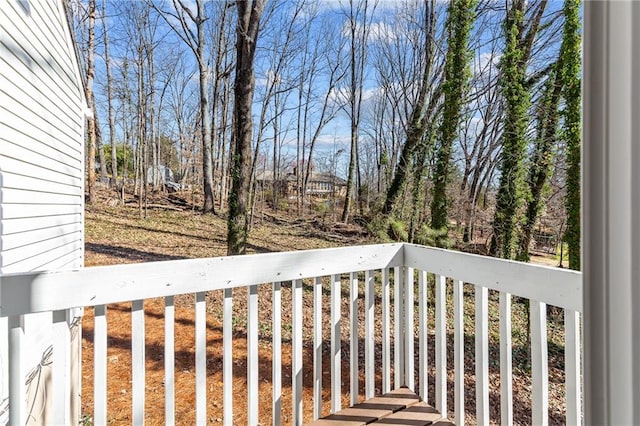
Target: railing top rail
554, 286
51, 291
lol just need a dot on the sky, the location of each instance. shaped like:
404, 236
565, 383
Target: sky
330, 22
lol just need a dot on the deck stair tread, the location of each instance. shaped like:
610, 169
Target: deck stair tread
399, 407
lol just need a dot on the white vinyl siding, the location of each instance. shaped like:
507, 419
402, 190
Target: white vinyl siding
42, 111
41, 139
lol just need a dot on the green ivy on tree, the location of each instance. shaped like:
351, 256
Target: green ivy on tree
572, 126
456, 74
542, 157
511, 190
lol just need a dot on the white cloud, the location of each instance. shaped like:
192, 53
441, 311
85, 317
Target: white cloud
382, 32
378, 32
484, 62
370, 93
338, 95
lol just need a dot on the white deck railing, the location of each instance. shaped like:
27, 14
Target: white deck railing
389, 269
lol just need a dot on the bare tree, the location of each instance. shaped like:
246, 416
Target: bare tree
110, 97
186, 17
420, 117
222, 57
325, 64
480, 142
278, 85
359, 19
91, 121
183, 112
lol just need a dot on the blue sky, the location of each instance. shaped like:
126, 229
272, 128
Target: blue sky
330, 22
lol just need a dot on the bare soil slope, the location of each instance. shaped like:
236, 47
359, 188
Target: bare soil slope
174, 229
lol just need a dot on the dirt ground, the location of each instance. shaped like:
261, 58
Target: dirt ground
118, 234
173, 229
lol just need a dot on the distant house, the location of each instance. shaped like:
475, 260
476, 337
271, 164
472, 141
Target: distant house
163, 175
319, 184
325, 184
42, 116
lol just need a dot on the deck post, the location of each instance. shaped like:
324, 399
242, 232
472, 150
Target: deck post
62, 368
138, 361
317, 348
482, 355
409, 335
17, 388
386, 339
252, 355
398, 334
276, 356
336, 365
506, 355
610, 208
296, 351
353, 338
369, 344
441, 344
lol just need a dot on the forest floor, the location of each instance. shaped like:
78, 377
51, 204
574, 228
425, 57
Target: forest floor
174, 229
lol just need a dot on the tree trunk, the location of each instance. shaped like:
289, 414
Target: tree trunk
249, 13
197, 45
217, 137
420, 114
112, 125
572, 127
358, 34
456, 81
513, 66
205, 130
542, 157
205, 124
99, 145
91, 125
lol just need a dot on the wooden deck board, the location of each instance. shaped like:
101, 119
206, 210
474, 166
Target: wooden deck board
419, 414
399, 407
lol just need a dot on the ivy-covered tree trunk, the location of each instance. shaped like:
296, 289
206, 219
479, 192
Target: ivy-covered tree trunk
456, 75
517, 99
572, 126
542, 156
249, 13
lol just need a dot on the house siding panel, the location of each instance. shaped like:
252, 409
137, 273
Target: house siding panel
34, 45
35, 147
42, 123
41, 156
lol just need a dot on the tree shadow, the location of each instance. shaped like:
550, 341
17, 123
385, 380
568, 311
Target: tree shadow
129, 253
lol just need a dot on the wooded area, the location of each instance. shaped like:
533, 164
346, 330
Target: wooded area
443, 123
